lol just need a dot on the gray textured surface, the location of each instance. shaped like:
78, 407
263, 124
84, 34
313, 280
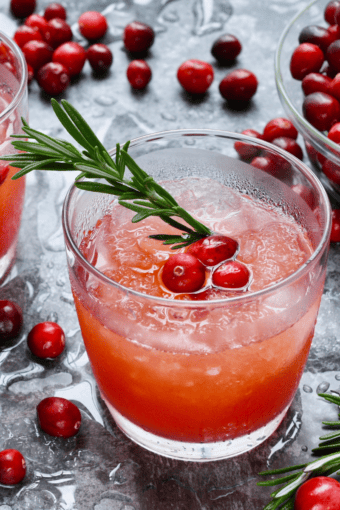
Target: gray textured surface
100, 469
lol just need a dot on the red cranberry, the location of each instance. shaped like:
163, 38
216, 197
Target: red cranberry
213, 249
53, 78
183, 272
335, 231
30, 73
239, 85
265, 163
278, 127
25, 34
327, 70
226, 48
195, 76
138, 37
10, 320
289, 145
334, 30
329, 12
100, 57
332, 171
333, 55
37, 21
334, 88
231, 275
46, 340
139, 74
306, 58
55, 10
37, 53
316, 82
246, 150
305, 193
334, 133
4, 169
58, 417
316, 35
92, 25
58, 32
72, 56
321, 110
22, 8
12, 467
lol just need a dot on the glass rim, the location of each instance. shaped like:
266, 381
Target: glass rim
311, 177
23, 82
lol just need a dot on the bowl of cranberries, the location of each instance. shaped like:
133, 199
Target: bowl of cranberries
307, 73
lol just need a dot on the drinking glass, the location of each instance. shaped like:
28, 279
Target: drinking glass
201, 379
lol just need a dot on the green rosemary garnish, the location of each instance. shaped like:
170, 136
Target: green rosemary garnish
283, 498
140, 193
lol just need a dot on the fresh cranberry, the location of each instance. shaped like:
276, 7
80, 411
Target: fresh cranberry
316, 82
265, 163
30, 74
226, 48
92, 25
334, 133
46, 340
195, 76
10, 320
334, 88
53, 78
332, 171
306, 58
335, 231
329, 12
37, 21
306, 194
334, 30
58, 417
246, 150
138, 37
328, 70
22, 8
100, 57
278, 127
25, 34
239, 85
231, 275
58, 32
72, 56
321, 110
37, 53
289, 145
183, 272
316, 35
12, 467
213, 249
4, 169
318, 493
139, 74
54, 10
333, 55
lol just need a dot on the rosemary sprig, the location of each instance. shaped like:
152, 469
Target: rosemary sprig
283, 498
139, 193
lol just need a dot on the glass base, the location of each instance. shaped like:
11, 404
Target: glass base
196, 452
6, 262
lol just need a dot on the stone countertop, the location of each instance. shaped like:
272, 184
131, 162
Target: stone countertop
100, 469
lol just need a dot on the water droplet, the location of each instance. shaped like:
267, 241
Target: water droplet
304, 448
307, 389
50, 265
168, 116
98, 113
337, 377
323, 387
105, 100
171, 16
53, 317
67, 298
189, 141
61, 281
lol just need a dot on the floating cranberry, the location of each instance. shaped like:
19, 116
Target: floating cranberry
213, 249
58, 417
138, 37
289, 145
329, 12
195, 76
37, 53
265, 163
335, 230
139, 74
316, 82
278, 127
183, 272
332, 171
53, 78
231, 275
319, 36
92, 25
37, 21
100, 57
24, 34
239, 85
55, 10
72, 56
246, 150
30, 74
4, 169
12, 467
22, 8
306, 58
58, 32
226, 48
321, 110
10, 320
46, 340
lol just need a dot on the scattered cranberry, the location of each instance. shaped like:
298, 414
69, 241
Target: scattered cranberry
22, 8
72, 56
58, 32
226, 48
139, 74
10, 320
321, 110
318, 493
58, 417
316, 82
239, 85
329, 12
319, 36
4, 169
12, 467
264, 163
46, 340
246, 150
213, 249
306, 58
100, 57
231, 275
37, 53
138, 37
30, 74
278, 127
25, 34
53, 78
37, 21
289, 145
92, 25
55, 10
306, 194
195, 76
331, 170
335, 231
183, 272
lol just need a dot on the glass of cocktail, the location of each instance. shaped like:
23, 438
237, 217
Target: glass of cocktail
13, 106
210, 374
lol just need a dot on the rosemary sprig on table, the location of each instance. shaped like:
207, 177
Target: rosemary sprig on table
140, 193
329, 463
